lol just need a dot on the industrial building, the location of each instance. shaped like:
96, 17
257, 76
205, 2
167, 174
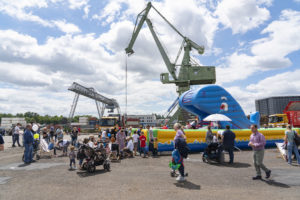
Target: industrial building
144, 119
273, 105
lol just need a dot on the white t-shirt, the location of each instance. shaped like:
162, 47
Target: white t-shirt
135, 138
130, 145
17, 130
91, 144
104, 134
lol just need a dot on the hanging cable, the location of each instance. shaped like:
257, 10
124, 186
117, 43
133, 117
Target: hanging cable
125, 89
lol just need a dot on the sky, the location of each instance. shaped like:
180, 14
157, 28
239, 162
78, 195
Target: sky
46, 45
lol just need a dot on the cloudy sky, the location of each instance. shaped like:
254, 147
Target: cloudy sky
46, 45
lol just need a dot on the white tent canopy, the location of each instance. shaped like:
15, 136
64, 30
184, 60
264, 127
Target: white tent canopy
217, 117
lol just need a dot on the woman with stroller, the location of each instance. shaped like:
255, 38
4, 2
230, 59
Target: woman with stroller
180, 135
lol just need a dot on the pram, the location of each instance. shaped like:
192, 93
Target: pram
213, 152
93, 157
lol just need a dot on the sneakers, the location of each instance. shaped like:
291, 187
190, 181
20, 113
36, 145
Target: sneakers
268, 174
180, 178
256, 178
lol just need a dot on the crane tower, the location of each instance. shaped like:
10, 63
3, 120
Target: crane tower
190, 73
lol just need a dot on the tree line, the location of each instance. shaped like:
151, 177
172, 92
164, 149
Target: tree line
42, 119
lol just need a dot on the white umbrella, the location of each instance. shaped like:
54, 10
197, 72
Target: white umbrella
217, 117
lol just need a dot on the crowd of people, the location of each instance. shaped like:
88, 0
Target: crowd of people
127, 142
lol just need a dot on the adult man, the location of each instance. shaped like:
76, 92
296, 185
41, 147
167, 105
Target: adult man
151, 140
1, 143
228, 142
16, 135
28, 141
258, 142
129, 147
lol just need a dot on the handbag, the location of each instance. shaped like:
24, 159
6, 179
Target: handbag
296, 139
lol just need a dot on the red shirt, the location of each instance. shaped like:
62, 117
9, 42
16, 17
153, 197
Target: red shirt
143, 140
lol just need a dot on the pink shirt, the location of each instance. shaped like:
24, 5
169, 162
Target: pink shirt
258, 140
179, 134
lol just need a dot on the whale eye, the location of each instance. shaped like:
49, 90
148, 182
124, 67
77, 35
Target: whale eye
224, 98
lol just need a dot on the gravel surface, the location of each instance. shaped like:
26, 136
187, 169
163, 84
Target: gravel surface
146, 178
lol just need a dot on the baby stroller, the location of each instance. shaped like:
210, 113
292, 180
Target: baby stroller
93, 158
213, 152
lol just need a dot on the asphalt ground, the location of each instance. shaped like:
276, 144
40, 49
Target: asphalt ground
146, 178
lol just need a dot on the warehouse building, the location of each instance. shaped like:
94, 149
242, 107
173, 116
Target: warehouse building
273, 105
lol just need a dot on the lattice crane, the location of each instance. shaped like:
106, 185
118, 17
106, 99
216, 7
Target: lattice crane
102, 102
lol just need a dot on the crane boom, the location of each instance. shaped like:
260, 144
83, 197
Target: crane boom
189, 73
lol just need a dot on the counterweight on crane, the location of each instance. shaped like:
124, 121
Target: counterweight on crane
189, 73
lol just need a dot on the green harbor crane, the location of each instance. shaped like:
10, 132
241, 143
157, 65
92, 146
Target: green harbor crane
190, 72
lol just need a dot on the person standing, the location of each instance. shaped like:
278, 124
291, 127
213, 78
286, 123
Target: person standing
291, 145
228, 138
1, 143
59, 133
28, 142
258, 142
135, 138
179, 135
52, 132
151, 140
16, 135
121, 137
143, 144
209, 136
74, 136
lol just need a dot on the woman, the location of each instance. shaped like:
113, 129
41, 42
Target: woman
179, 136
209, 136
291, 146
121, 137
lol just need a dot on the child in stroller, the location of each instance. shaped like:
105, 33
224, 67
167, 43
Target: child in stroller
93, 157
213, 152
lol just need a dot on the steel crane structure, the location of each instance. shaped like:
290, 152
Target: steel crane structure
190, 73
102, 102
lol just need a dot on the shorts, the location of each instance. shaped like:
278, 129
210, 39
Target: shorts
135, 145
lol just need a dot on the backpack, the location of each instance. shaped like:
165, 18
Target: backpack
296, 138
182, 147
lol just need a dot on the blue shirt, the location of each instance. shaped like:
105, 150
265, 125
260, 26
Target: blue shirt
1, 139
228, 140
28, 137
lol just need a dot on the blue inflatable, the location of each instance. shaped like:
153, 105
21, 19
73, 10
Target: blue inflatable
214, 99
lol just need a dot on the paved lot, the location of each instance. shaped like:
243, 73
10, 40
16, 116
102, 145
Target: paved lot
146, 178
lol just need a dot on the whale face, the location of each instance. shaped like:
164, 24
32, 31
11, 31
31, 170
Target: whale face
214, 99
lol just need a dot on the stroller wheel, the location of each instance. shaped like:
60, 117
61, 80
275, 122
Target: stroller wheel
107, 167
38, 157
173, 174
85, 166
91, 168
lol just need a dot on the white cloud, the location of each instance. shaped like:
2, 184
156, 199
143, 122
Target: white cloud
66, 27
268, 53
283, 84
77, 4
19, 10
243, 15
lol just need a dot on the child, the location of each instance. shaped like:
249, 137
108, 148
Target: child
155, 147
72, 156
143, 143
135, 138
